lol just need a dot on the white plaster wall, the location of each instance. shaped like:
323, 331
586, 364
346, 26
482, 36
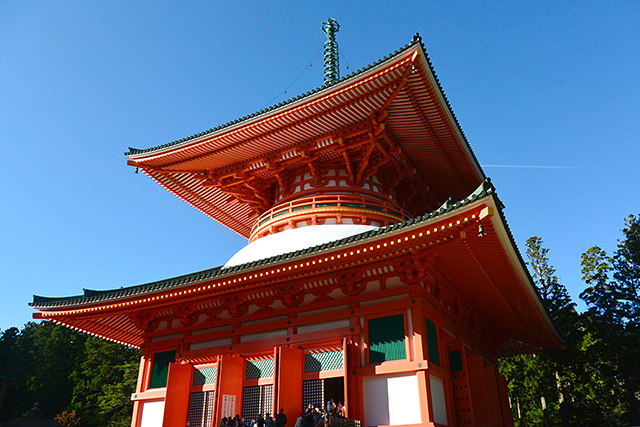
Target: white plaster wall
333, 324
376, 401
210, 343
391, 400
152, 413
438, 401
263, 335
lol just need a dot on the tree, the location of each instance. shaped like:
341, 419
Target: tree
554, 294
103, 383
70, 374
613, 299
538, 381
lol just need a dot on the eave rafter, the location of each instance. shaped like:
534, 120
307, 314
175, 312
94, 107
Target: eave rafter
429, 130
364, 147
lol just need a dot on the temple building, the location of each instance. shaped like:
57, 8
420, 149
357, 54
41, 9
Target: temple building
380, 271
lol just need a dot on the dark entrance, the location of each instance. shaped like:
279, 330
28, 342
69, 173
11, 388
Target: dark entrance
319, 392
334, 389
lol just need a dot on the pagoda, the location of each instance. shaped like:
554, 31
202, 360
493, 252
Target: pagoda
379, 271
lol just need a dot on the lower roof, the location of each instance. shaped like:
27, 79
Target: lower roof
484, 269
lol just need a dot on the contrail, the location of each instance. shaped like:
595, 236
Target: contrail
531, 167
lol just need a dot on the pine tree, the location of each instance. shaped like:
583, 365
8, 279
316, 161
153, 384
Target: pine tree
540, 380
613, 299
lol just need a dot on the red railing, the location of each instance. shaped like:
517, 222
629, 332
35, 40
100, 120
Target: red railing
317, 202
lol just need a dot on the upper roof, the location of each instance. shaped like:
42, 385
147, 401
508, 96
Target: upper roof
400, 93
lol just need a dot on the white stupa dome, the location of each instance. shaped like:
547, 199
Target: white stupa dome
294, 240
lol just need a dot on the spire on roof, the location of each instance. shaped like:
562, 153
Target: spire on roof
331, 56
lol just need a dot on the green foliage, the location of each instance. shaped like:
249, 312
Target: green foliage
595, 381
104, 382
613, 299
536, 381
67, 372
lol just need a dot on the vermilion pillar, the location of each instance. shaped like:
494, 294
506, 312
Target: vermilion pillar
176, 406
230, 386
478, 386
290, 372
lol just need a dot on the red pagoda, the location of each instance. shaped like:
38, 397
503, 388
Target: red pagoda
380, 271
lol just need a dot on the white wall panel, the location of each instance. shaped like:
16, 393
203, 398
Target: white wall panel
333, 324
391, 400
210, 343
152, 413
438, 401
404, 400
264, 335
376, 401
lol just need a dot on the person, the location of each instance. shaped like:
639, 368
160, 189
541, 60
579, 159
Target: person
317, 418
223, 422
260, 420
331, 407
308, 417
269, 421
341, 413
281, 419
325, 418
300, 421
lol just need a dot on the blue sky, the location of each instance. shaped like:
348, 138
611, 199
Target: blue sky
547, 94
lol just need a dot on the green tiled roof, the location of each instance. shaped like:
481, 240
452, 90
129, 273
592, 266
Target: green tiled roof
416, 40
92, 296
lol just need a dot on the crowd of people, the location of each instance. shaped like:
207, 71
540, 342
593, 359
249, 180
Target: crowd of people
266, 421
313, 416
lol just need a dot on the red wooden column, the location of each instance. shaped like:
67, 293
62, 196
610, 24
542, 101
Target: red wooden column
230, 384
479, 396
290, 372
490, 375
424, 380
353, 382
507, 418
176, 405
137, 406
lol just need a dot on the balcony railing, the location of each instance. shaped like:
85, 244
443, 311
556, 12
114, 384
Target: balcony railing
317, 202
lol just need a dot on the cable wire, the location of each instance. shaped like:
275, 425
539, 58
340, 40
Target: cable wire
294, 80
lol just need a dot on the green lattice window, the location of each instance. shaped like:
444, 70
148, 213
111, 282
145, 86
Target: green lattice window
204, 376
386, 339
325, 361
455, 360
160, 368
259, 369
432, 342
